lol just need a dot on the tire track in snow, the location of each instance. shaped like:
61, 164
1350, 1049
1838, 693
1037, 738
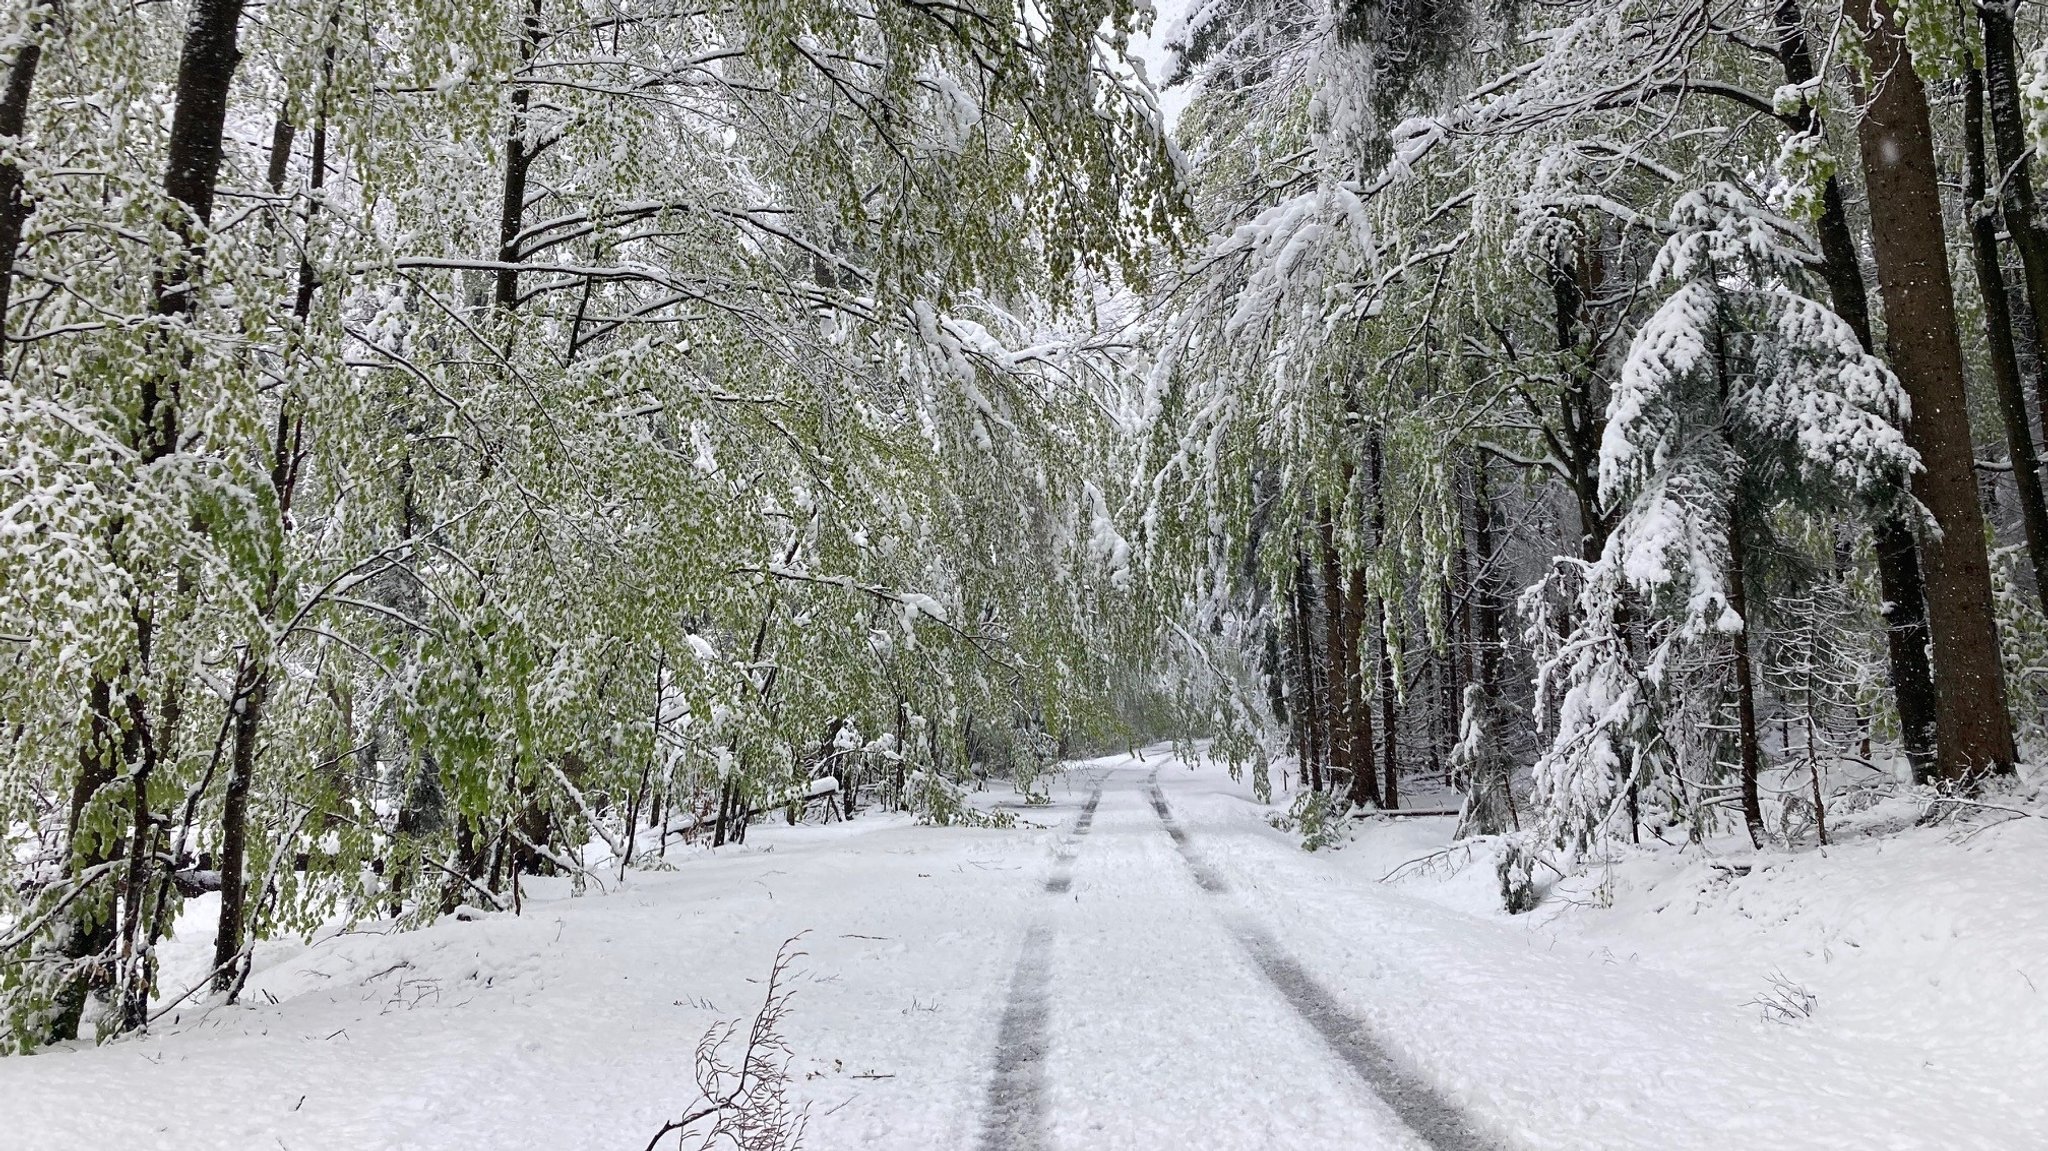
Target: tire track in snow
1424, 1109
1015, 1116
1061, 879
1436, 1119
1205, 877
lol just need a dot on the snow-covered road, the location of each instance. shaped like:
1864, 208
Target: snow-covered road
1151, 966
1159, 1029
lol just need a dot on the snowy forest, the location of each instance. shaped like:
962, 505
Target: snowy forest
467, 458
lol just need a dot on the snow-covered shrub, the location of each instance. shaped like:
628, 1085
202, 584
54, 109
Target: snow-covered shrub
1515, 869
1318, 816
940, 802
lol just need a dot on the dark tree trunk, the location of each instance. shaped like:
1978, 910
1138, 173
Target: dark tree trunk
640, 792
14, 205
1273, 670
1490, 616
1338, 659
902, 750
191, 171
1450, 683
1998, 335
1908, 640
1973, 731
88, 927
1458, 619
1745, 681
1737, 577
139, 971
520, 151
1363, 789
1308, 710
531, 828
1898, 556
2016, 180
250, 689
1389, 752
1490, 802
1576, 414
282, 134
728, 796
206, 66
206, 69
316, 179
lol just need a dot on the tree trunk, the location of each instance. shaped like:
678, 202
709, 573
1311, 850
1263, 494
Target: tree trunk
251, 688
14, 205
1576, 414
2016, 181
728, 795
316, 179
1308, 709
1338, 659
206, 65
640, 793
519, 155
1973, 731
1490, 799
1745, 682
1389, 753
1490, 618
1450, 683
1898, 556
1389, 757
1292, 661
137, 970
1998, 335
1363, 790
1459, 594
902, 749
1908, 640
206, 69
1737, 578
87, 927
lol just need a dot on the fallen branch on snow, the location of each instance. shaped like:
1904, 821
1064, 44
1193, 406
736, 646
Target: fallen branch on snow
747, 1105
1440, 857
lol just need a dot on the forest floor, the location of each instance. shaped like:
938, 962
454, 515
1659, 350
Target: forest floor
1144, 963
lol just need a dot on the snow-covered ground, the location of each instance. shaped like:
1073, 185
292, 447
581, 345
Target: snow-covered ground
1167, 971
